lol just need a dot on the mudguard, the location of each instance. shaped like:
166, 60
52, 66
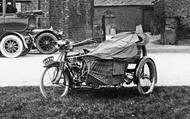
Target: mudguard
38, 32
53, 63
22, 38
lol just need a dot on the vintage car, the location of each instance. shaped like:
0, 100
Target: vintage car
18, 33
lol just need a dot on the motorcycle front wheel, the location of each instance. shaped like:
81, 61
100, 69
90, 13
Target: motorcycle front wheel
52, 84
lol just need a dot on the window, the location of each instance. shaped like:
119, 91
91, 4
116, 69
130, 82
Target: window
1, 7
10, 7
18, 7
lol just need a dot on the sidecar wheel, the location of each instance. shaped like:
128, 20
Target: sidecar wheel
11, 46
146, 75
45, 43
51, 89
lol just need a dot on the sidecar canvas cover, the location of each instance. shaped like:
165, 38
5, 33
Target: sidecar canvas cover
120, 47
107, 62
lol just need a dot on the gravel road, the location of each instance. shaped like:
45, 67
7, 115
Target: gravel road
173, 69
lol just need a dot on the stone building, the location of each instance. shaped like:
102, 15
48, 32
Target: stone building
123, 15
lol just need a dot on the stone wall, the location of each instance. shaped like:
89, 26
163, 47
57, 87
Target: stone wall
41, 21
73, 17
159, 17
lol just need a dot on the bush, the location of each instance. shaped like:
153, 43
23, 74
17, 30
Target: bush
173, 9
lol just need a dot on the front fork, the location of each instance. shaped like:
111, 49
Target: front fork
61, 68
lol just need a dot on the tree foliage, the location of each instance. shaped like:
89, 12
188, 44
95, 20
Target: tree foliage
177, 8
172, 9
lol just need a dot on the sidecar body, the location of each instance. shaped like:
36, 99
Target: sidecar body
108, 64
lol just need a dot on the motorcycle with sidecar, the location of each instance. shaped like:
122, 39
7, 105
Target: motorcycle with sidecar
119, 62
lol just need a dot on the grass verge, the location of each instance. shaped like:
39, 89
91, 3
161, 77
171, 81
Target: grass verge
107, 103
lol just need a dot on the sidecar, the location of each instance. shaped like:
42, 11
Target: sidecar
122, 61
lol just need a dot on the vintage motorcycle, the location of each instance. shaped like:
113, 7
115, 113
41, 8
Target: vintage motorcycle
96, 68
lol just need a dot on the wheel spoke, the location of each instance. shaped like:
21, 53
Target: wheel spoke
45, 43
11, 46
52, 88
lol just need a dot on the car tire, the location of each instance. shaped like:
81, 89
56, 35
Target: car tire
11, 46
45, 43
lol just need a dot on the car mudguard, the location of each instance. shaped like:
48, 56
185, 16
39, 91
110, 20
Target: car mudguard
38, 32
22, 38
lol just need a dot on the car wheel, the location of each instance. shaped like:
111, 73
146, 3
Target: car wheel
45, 43
11, 46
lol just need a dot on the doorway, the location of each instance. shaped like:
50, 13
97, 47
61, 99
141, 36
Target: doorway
147, 19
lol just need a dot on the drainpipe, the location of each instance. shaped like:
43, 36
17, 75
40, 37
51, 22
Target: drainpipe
4, 8
104, 27
66, 18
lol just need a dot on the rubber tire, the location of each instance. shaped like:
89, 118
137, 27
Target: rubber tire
40, 37
42, 90
153, 74
19, 43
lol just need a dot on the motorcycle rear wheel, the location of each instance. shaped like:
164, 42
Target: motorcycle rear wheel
51, 89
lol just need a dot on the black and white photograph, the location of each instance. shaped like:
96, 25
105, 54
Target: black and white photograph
94, 59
